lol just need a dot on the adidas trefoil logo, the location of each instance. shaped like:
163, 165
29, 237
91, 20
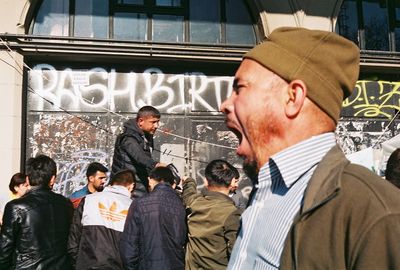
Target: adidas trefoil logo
111, 213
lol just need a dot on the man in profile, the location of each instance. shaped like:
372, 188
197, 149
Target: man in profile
96, 175
310, 208
98, 223
133, 147
35, 228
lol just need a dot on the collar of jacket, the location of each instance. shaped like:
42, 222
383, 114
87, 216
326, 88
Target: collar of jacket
206, 192
118, 189
38, 188
131, 125
325, 181
162, 185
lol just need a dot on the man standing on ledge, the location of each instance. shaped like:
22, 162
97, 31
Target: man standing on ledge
310, 207
134, 146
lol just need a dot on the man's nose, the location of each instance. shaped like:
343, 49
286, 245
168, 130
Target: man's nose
227, 105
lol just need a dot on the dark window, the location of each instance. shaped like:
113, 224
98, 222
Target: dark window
376, 25
168, 3
371, 24
347, 21
238, 24
204, 22
397, 25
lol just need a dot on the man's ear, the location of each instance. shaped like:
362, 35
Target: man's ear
131, 187
140, 121
151, 181
205, 182
90, 179
232, 182
296, 94
52, 181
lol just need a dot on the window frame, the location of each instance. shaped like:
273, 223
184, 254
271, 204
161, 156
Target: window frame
150, 8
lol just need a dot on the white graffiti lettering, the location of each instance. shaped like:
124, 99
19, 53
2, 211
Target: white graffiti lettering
99, 90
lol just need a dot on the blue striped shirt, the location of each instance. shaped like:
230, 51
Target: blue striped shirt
278, 197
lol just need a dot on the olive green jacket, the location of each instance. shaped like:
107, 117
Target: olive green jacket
213, 222
350, 220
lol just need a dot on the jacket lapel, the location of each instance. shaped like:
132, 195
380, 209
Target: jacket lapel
326, 180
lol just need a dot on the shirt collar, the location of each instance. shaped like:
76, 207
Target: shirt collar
297, 159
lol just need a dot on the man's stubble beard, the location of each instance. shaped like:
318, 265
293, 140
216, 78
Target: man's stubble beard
260, 134
251, 170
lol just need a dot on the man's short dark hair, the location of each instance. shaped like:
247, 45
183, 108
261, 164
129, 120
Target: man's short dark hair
16, 180
147, 111
162, 174
40, 170
123, 178
220, 173
392, 173
94, 167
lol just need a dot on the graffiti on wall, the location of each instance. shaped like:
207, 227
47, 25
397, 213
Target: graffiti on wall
99, 90
373, 99
74, 116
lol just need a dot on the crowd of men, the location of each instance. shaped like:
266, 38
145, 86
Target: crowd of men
111, 229
309, 208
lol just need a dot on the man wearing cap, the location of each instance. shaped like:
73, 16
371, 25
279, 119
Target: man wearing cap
310, 208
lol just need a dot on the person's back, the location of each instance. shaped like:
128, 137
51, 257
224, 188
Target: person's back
155, 231
34, 234
213, 219
98, 223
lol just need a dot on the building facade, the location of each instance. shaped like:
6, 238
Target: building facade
74, 70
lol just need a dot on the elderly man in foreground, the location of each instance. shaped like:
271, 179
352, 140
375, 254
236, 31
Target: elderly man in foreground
310, 207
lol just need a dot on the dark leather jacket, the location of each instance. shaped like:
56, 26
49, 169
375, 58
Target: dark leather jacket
133, 151
35, 230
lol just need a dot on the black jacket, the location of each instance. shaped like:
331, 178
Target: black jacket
133, 151
96, 229
155, 231
35, 230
